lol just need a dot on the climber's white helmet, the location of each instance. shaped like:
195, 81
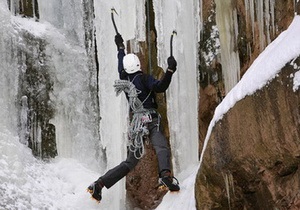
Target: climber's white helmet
131, 63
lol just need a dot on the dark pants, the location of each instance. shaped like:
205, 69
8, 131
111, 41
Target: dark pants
162, 150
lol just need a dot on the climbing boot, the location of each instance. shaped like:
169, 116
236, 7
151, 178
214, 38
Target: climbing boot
95, 189
168, 181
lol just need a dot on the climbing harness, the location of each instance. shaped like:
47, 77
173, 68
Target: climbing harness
141, 116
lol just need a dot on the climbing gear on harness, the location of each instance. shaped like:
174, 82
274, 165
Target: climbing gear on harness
137, 131
141, 116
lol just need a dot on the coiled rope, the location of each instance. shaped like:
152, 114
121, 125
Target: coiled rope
141, 116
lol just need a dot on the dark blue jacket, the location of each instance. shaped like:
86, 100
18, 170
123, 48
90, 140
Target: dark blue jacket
145, 83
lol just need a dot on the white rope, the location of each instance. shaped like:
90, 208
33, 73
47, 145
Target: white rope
141, 116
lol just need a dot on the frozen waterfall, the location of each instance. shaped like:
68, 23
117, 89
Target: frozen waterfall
80, 72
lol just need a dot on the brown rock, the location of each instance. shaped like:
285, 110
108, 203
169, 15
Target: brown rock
142, 182
252, 158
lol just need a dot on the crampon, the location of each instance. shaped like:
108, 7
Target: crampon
168, 183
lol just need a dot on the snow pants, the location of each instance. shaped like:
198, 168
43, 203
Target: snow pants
162, 150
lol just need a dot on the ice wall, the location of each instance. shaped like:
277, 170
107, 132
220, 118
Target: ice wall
62, 26
66, 16
259, 15
182, 95
75, 118
130, 21
263, 13
226, 18
8, 71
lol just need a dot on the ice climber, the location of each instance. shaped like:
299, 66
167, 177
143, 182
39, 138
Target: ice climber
140, 91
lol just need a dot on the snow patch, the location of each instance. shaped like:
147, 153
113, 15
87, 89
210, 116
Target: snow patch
296, 81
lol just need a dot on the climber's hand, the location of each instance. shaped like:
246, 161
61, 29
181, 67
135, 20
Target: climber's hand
172, 64
119, 41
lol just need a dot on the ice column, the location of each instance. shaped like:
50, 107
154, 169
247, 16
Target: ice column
226, 19
75, 118
263, 13
8, 70
24, 121
182, 95
113, 109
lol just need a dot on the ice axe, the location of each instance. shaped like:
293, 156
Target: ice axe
171, 42
113, 20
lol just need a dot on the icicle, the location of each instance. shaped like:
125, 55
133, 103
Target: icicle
246, 9
201, 17
229, 185
16, 7
24, 121
235, 26
39, 140
251, 7
260, 21
33, 9
21, 7
261, 12
227, 189
12, 6
267, 20
35, 135
272, 11
249, 50
226, 18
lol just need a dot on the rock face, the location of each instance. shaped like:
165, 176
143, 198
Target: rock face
142, 182
257, 23
253, 155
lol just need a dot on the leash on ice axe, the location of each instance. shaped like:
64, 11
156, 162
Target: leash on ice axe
113, 20
171, 42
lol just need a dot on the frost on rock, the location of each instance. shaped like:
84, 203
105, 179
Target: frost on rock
296, 81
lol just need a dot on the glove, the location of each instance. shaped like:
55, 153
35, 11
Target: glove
119, 41
172, 64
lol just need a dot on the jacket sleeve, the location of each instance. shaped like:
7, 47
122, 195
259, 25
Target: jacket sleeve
162, 85
122, 73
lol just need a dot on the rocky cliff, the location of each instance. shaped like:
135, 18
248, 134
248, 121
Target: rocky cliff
253, 155
254, 24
